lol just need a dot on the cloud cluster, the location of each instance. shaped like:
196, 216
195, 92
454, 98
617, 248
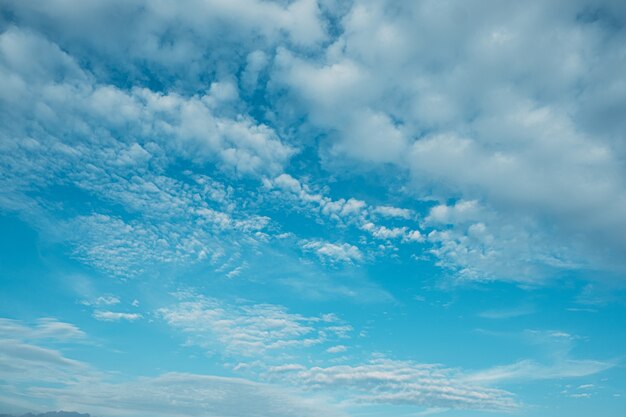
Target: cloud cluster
88, 141
67, 99
104, 315
464, 117
458, 97
146, 135
38, 377
250, 330
385, 381
333, 252
171, 45
265, 332
365, 219
180, 394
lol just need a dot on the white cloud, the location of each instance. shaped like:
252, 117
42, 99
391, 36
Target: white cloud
350, 211
389, 211
250, 330
286, 368
529, 370
521, 152
478, 243
385, 381
192, 127
558, 363
382, 232
255, 63
469, 119
104, 315
45, 328
463, 116
107, 300
39, 377
235, 272
508, 313
337, 349
205, 32
24, 356
333, 252
183, 394
162, 206
24, 362
114, 145
112, 245
287, 182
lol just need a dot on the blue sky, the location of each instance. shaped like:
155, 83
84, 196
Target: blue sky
313, 207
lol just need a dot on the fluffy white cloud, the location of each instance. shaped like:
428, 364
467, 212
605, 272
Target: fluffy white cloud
389, 211
478, 243
337, 349
333, 252
531, 140
466, 116
170, 44
68, 98
383, 232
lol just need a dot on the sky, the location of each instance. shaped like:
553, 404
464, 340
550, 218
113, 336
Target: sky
247, 208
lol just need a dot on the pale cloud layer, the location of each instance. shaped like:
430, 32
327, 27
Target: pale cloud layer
385, 381
250, 330
56, 381
104, 315
178, 394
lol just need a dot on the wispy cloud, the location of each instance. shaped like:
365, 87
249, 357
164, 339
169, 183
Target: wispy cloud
385, 381
25, 358
530, 370
250, 330
105, 300
508, 313
558, 361
183, 394
44, 328
104, 315
59, 382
